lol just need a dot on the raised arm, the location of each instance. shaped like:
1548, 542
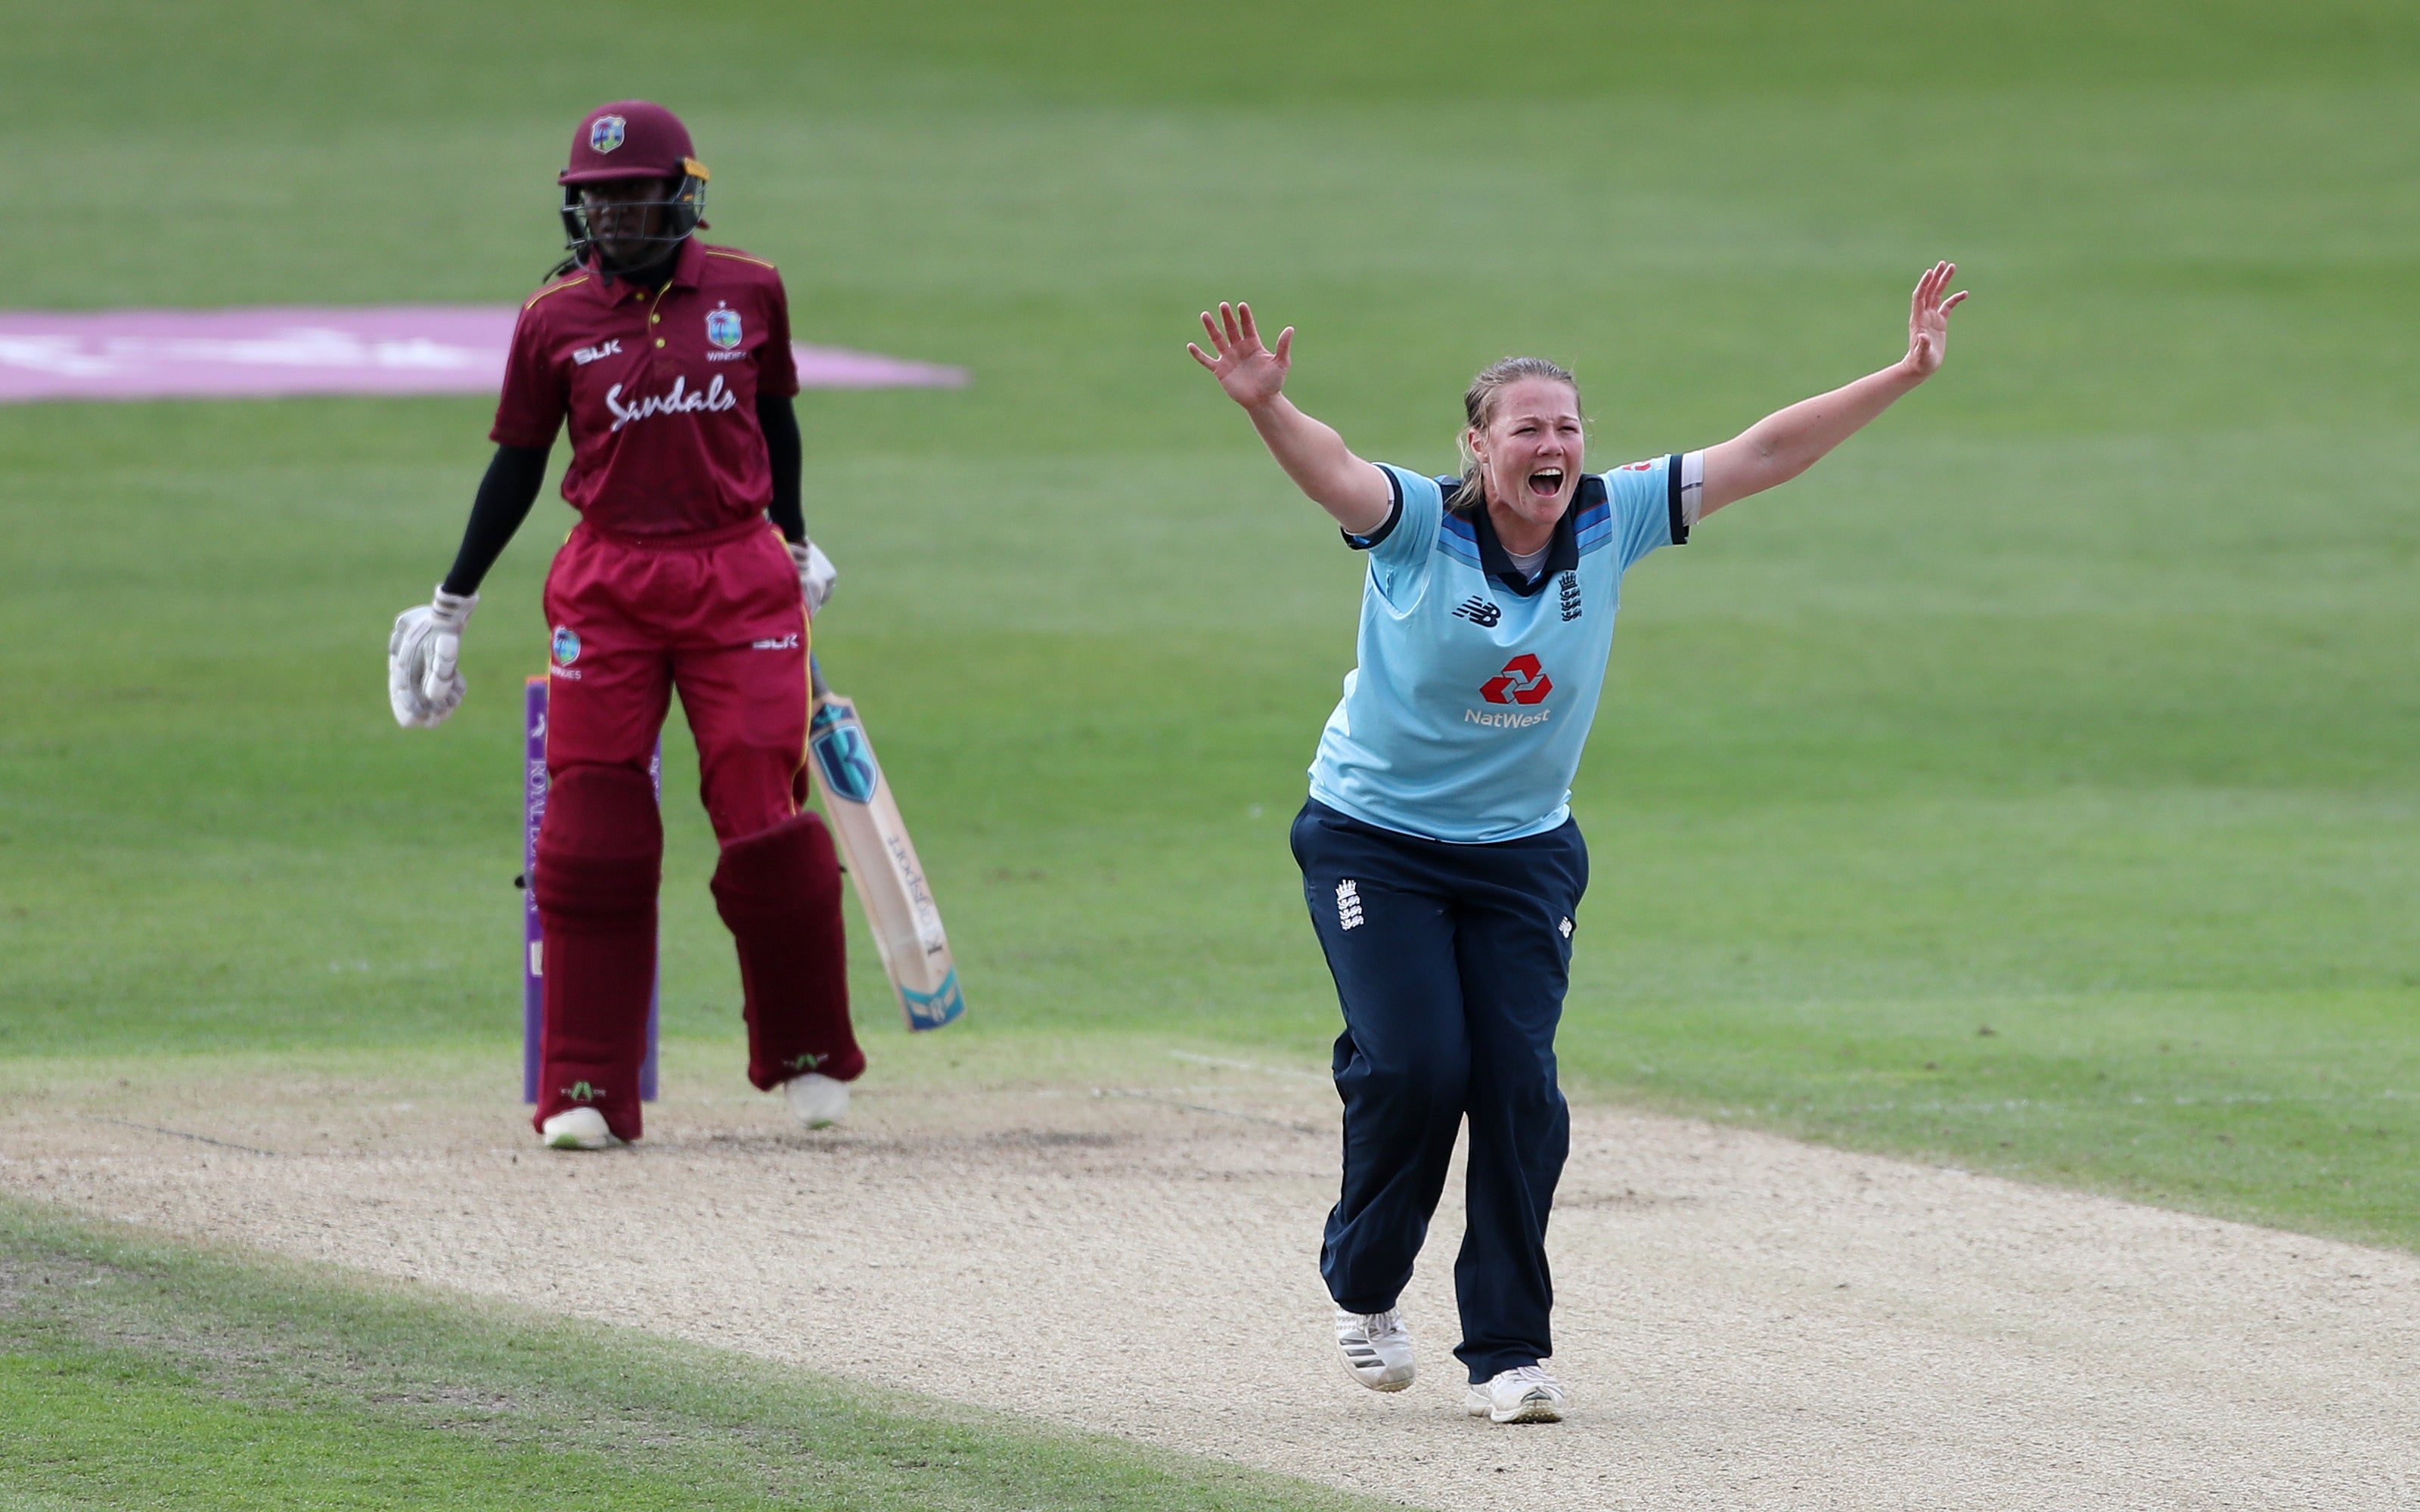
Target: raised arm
1354, 493
1788, 441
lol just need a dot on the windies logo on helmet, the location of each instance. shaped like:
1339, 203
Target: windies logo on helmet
723, 328
605, 132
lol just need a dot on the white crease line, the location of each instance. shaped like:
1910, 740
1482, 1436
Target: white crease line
179, 1134
1202, 1107
1244, 1065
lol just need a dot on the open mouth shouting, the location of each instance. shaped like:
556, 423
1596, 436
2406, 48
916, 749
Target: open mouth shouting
1530, 445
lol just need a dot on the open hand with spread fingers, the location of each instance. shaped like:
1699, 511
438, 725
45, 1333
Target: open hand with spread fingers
1927, 320
1251, 374
1355, 494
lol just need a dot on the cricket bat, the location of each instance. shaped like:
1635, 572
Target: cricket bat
881, 861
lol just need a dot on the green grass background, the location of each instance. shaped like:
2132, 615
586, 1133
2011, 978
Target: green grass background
2074, 701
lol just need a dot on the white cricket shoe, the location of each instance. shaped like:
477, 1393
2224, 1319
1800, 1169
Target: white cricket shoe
817, 1100
576, 1129
1377, 1347
1524, 1393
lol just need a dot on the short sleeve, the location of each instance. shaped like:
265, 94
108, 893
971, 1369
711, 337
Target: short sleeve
531, 408
777, 366
1401, 547
1655, 502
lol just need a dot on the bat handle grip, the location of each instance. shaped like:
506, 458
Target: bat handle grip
815, 677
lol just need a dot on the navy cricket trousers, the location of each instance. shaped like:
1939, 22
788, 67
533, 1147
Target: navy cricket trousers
1450, 962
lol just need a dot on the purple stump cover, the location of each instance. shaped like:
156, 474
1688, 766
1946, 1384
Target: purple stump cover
533, 957
263, 353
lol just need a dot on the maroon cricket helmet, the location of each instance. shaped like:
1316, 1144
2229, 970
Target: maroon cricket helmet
633, 139
629, 139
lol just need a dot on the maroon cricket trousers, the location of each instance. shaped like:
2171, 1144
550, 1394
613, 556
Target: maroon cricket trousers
717, 615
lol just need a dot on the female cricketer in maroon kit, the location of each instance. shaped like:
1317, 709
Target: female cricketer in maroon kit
670, 360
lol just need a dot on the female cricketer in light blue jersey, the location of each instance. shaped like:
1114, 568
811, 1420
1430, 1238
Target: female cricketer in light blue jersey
1438, 854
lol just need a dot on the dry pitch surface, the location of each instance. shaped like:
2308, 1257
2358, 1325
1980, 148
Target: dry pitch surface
1744, 1321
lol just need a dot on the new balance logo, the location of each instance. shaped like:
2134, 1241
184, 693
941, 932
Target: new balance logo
1481, 612
1566, 927
1348, 904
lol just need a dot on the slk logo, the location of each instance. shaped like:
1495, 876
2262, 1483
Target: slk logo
605, 133
1522, 680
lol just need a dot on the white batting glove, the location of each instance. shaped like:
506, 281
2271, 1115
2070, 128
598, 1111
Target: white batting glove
423, 676
817, 574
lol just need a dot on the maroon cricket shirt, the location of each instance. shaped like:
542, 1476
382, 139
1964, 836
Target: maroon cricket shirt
660, 387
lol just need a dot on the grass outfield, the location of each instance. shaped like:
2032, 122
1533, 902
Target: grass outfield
2073, 703
137, 1373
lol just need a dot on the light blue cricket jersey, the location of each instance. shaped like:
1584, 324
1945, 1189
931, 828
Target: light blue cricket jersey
1467, 714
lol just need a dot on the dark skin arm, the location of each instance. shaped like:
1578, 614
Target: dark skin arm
506, 495
779, 418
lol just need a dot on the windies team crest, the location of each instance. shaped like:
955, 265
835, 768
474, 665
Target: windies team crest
605, 133
723, 328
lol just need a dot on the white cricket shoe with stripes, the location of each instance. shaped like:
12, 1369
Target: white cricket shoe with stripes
576, 1129
815, 1100
1524, 1393
1377, 1347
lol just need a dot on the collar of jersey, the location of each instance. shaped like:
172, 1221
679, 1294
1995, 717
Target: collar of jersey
687, 266
1563, 548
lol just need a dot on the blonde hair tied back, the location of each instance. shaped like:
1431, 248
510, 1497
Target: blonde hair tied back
1479, 406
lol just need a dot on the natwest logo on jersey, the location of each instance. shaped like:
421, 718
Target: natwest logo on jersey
1522, 680
679, 400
